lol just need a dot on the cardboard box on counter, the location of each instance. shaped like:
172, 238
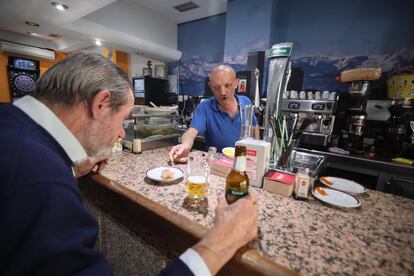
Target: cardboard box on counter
257, 159
221, 166
279, 182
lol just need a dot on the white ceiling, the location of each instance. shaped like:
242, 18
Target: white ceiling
148, 27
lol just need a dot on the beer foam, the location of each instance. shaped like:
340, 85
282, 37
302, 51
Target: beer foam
197, 179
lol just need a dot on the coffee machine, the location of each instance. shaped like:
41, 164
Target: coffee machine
315, 112
352, 135
399, 128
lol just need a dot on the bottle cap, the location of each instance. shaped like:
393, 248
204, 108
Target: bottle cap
240, 150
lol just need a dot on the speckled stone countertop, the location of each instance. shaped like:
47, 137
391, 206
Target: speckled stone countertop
308, 237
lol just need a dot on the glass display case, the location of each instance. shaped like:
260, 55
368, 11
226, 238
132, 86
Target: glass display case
150, 128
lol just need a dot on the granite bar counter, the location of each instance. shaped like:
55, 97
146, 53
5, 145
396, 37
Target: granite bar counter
305, 236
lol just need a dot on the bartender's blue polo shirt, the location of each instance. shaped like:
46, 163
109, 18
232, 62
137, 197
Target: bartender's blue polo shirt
217, 127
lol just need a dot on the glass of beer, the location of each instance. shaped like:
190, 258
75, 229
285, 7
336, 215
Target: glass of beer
197, 176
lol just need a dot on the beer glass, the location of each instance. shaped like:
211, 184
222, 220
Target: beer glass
246, 121
197, 176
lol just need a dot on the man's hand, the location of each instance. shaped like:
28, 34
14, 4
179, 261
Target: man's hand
88, 165
179, 153
235, 225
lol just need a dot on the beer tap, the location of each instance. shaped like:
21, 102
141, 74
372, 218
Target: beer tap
257, 107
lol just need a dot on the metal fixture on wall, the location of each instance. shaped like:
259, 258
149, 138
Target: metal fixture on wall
279, 73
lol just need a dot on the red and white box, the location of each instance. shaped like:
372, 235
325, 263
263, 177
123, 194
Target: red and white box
279, 182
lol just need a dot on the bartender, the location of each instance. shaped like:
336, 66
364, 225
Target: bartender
218, 118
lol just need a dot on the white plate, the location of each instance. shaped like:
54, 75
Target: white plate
343, 185
336, 198
155, 174
229, 152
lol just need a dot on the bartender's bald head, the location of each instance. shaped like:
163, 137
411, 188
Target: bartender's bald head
222, 69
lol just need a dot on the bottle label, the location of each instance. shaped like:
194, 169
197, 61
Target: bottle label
236, 192
240, 164
303, 187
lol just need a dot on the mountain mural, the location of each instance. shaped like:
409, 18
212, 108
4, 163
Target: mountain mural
192, 73
320, 70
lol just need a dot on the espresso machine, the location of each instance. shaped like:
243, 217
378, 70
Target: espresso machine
352, 135
399, 128
315, 115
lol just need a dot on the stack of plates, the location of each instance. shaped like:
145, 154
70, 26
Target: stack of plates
161, 110
340, 192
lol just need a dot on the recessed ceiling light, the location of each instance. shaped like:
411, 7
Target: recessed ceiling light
33, 24
59, 6
98, 42
186, 6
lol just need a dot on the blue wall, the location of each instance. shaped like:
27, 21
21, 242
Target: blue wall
247, 30
202, 45
328, 37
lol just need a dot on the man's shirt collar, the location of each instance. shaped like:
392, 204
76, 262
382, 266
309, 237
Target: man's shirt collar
215, 104
42, 115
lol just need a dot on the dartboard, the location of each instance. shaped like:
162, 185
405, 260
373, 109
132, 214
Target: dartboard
24, 83
21, 82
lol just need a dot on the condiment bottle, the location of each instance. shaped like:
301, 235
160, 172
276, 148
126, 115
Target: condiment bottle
302, 184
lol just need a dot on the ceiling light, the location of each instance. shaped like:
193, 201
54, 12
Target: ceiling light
98, 42
59, 6
33, 24
33, 34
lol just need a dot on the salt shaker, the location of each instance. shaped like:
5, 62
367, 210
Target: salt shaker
212, 153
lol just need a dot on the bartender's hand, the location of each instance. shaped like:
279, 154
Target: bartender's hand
235, 225
90, 164
179, 153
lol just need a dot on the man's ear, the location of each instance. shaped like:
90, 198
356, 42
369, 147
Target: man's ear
101, 104
237, 83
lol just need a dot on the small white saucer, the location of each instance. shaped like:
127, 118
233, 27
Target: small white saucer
155, 174
335, 197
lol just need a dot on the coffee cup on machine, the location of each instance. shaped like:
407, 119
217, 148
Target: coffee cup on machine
302, 95
294, 95
325, 95
332, 96
318, 95
310, 95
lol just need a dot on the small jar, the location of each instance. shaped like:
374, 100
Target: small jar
371, 152
302, 184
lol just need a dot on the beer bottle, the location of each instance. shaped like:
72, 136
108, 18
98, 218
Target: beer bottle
237, 181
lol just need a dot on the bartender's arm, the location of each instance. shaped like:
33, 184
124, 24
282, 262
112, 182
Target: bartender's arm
179, 153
